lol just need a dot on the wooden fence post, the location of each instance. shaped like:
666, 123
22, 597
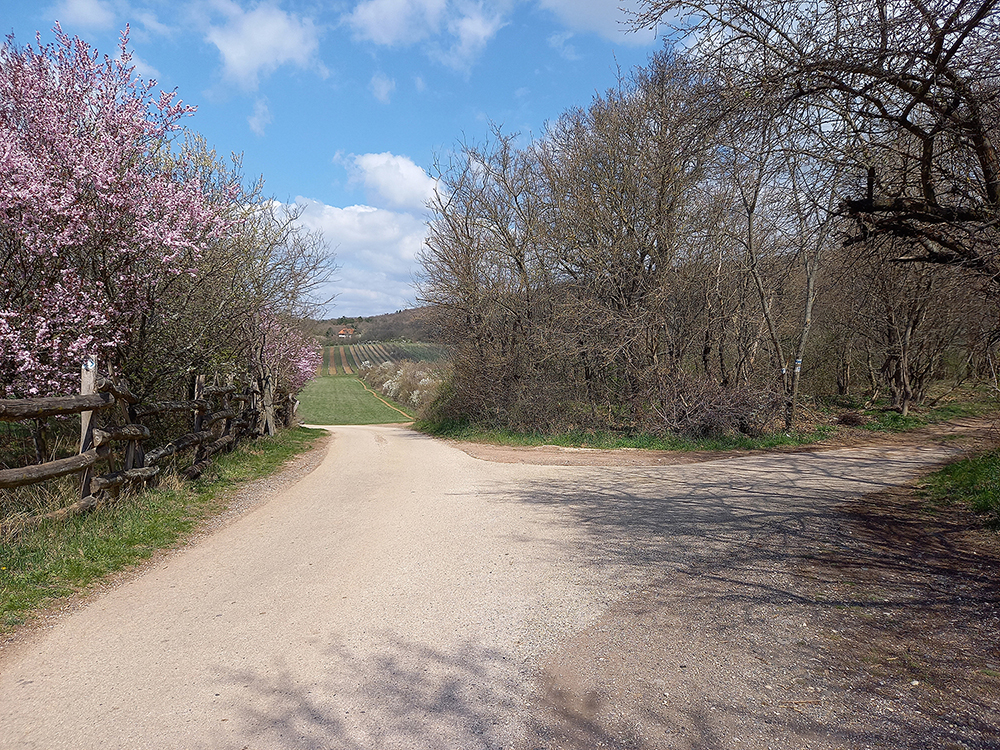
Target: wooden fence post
130, 450
227, 404
268, 399
39, 437
199, 416
136, 451
88, 386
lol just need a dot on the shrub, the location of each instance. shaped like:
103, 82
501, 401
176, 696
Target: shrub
415, 384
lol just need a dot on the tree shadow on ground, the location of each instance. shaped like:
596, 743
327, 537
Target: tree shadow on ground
400, 694
762, 605
777, 607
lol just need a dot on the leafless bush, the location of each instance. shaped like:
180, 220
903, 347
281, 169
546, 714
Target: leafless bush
700, 407
852, 419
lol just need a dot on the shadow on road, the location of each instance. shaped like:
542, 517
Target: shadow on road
762, 605
404, 695
765, 601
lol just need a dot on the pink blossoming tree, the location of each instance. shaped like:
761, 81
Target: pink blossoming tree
92, 214
115, 242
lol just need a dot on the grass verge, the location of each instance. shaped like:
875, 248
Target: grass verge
611, 440
972, 481
976, 402
342, 399
893, 421
60, 558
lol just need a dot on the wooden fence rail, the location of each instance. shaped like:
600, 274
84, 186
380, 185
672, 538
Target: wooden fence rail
215, 427
52, 469
18, 410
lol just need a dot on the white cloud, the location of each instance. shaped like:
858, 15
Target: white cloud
609, 18
457, 30
260, 118
376, 251
396, 179
151, 25
392, 22
257, 42
382, 87
92, 14
560, 43
144, 69
471, 31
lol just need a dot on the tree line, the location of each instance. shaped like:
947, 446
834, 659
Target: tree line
124, 236
804, 199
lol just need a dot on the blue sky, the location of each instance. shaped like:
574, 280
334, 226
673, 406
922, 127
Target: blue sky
343, 106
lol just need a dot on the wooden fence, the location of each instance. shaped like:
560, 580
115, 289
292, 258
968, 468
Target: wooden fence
220, 418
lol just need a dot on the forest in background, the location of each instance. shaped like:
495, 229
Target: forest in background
414, 324
803, 202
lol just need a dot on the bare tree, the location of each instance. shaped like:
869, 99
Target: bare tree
576, 274
483, 272
905, 94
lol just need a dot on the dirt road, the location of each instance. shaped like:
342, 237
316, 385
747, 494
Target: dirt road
407, 595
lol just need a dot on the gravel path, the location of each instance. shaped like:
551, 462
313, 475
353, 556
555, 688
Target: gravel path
406, 595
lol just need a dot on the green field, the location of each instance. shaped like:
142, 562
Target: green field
342, 399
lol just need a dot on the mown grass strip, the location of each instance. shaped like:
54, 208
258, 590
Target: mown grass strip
405, 414
356, 357
344, 400
419, 351
58, 559
613, 441
972, 481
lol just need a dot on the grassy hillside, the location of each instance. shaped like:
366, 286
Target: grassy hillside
344, 400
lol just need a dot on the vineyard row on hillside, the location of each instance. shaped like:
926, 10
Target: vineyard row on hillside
347, 359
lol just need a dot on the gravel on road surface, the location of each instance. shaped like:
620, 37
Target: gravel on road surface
404, 594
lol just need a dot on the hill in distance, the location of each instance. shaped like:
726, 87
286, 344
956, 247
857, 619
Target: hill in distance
414, 324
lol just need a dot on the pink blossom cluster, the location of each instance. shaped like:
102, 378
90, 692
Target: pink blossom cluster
41, 347
95, 211
293, 356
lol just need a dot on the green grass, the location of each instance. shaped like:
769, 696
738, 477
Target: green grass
348, 356
368, 354
892, 421
342, 399
611, 440
881, 418
60, 558
972, 481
